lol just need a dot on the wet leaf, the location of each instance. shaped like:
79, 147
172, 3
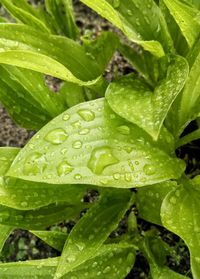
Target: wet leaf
89, 144
134, 100
149, 200
93, 229
180, 214
4, 234
98, 266
135, 20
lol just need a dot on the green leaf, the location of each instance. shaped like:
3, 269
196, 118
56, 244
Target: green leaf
135, 20
53, 238
186, 106
149, 200
38, 218
98, 266
62, 13
7, 155
93, 229
22, 15
180, 214
89, 144
134, 100
61, 57
185, 16
4, 234
72, 94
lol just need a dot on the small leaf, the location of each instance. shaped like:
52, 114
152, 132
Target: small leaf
53, 238
134, 100
89, 144
93, 229
180, 214
149, 200
4, 234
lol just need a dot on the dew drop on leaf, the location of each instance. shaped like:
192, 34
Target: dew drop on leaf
86, 114
77, 176
66, 117
84, 131
77, 144
34, 164
101, 158
56, 136
124, 130
64, 168
107, 269
149, 170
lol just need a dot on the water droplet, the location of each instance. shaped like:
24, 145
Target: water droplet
77, 144
66, 116
64, 168
71, 258
124, 130
101, 158
173, 200
116, 176
63, 151
24, 204
129, 12
94, 264
56, 136
77, 176
128, 177
107, 269
34, 164
86, 114
84, 132
149, 169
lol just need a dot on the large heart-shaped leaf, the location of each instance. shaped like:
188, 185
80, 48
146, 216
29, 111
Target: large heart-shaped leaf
134, 100
180, 214
134, 18
102, 266
89, 144
93, 229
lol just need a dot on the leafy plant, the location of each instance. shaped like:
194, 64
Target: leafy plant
109, 137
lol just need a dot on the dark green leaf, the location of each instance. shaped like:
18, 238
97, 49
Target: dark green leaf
89, 144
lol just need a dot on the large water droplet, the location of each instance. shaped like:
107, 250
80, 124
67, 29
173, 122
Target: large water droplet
101, 158
64, 168
56, 136
149, 169
86, 114
34, 164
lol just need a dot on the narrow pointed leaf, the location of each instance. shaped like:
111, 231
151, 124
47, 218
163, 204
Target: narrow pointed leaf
53, 238
61, 57
134, 19
134, 100
185, 16
4, 234
149, 200
93, 229
89, 144
180, 214
7, 155
98, 266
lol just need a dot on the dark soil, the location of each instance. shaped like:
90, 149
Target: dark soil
22, 245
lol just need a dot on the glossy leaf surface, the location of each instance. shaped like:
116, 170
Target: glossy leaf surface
89, 144
61, 57
180, 214
93, 229
149, 200
98, 266
135, 20
134, 100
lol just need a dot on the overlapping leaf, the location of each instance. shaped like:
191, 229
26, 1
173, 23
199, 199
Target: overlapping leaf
93, 229
89, 144
61, 57
134, 100
134, 18
4, 234
180, 214
97, 266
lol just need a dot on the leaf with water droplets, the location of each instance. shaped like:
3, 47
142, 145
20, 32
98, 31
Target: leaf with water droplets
134, 100
186, 18
113, 153
107, 262
141, 21
54, 239
149, 200
93, 229
180, 214
61, 57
